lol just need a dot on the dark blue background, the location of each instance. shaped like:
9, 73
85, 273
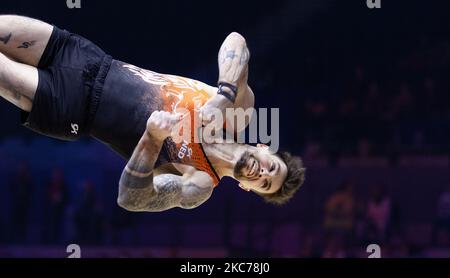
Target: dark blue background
352, 84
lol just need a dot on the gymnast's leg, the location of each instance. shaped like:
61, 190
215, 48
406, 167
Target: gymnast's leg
22, 43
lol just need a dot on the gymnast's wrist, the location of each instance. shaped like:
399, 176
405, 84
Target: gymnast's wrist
227, 90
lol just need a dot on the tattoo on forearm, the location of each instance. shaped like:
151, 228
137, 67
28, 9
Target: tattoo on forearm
132, 180
244, 56
140, 190
133, 197
222, 55
6, 39
231, 54
138, 172
227, 54
27, 44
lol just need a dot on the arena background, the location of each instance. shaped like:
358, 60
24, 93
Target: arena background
363, 98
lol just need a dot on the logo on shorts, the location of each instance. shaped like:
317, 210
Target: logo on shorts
75, 129
184, 151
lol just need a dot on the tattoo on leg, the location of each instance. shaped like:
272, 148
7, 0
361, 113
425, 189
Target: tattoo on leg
16, 95
27, 44
6, 39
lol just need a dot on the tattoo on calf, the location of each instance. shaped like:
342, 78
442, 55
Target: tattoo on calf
27, 44
6, 39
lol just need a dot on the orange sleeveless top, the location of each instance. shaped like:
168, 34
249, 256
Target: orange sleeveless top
179, 93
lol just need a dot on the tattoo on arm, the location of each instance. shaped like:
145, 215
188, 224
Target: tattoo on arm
136, 181
27, 44
227, 54
140, 190
245, 56
173, 191
231, 54
164, 192
222, 54
233, 60
6, 39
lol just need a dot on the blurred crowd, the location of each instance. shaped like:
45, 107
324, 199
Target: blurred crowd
353, 218
64, 214
403, 108
348, 83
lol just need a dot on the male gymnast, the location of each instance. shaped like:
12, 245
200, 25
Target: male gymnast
67, 87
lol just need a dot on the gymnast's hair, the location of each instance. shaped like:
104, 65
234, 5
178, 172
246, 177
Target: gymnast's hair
294, 180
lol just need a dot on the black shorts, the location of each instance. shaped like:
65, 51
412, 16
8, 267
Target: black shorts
72, 72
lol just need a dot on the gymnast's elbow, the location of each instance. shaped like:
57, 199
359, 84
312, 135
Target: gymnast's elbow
129, 202
236, 37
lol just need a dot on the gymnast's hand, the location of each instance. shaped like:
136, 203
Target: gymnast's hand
162, 124
214, 106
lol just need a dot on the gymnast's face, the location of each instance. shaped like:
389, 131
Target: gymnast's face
260, 171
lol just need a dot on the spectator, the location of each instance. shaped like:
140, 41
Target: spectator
56, 202
334, 248
21, 196
88, 217
340, 211
441, 233
123, 227
378, 214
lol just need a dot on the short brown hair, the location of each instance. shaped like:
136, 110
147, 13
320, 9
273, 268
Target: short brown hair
294, 179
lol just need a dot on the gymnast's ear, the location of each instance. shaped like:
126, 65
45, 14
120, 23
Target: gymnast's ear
264, 146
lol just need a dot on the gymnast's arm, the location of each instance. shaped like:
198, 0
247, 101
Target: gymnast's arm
140, 190
233, 59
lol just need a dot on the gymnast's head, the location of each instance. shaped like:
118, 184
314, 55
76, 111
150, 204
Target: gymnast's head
274, 177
